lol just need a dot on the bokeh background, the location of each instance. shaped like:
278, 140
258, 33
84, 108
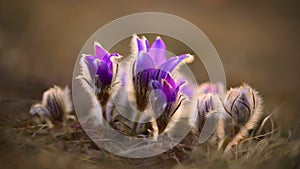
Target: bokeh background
258, 43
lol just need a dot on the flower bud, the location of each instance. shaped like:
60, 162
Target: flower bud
241, 103
244, 105
55, 106
210, 111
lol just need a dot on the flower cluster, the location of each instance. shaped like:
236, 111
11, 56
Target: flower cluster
231, 116
145, 87
221, 115
150, 71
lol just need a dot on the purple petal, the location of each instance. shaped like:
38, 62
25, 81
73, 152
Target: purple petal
171, 63
188, 90
90, 59
147, 45
92, 64
106, 58
169, 91
170, 80
110, 65
158, 51
144, 61
144, 78
140, 45
156, 84
99, 51
168, 86
104, 74
160, 74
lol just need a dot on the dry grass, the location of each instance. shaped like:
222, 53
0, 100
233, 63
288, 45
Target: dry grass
67, 146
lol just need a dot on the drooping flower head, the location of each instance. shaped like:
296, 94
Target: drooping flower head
100, 68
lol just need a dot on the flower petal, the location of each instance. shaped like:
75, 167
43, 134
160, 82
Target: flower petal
170, 81
156, 84
160, 74
144, 61
169, 91
158, 51
92, 64
147, 44
171, 63
187, 89
140, 45
145, 77
100, 52
104, 74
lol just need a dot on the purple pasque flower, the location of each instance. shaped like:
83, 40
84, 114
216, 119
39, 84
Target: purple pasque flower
152, 70
101, 69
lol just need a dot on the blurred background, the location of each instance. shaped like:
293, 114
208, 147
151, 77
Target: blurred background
258, 43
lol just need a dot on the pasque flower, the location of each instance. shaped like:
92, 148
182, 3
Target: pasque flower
244, 105
241, 103
210, 100
151, 70
211, 113
55, 106
98, 71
